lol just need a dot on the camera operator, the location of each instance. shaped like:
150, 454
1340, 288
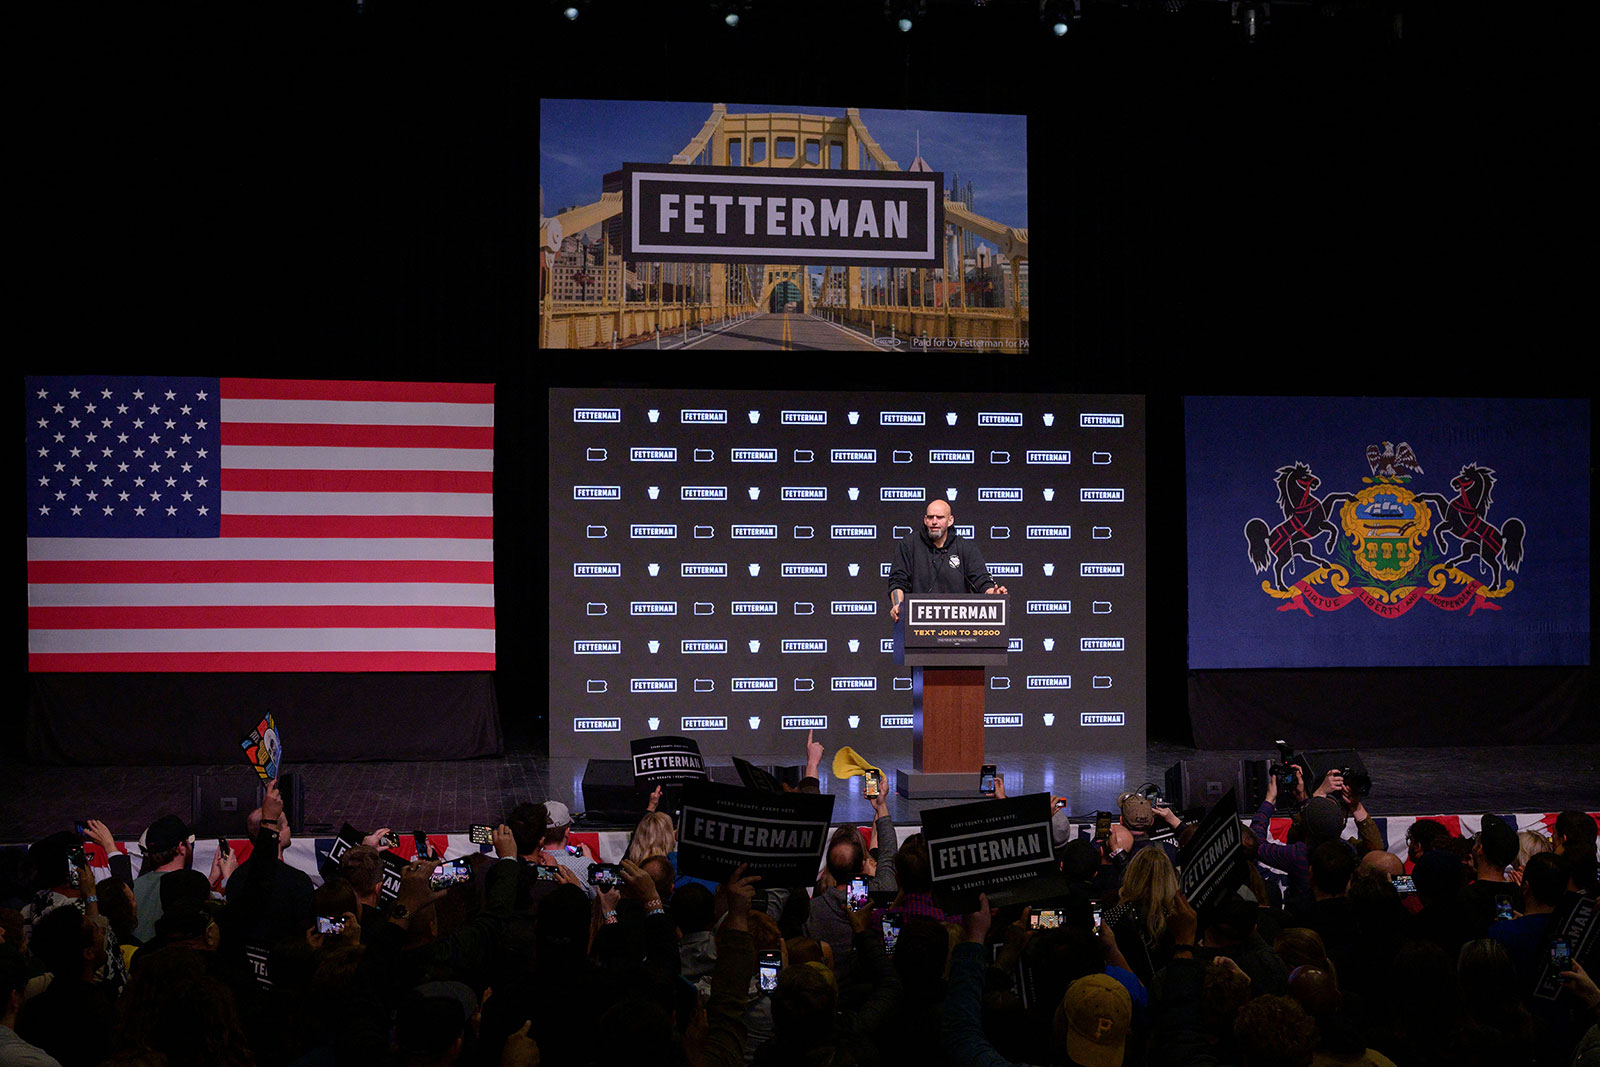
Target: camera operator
1321, 819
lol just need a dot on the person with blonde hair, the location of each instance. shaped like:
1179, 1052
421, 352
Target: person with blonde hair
654, 836
1148, 897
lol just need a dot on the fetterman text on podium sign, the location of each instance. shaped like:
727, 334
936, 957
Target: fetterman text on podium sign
948, 639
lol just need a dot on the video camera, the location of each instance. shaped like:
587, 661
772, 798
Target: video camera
1317, 766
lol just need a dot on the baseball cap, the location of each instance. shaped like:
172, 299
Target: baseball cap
556, 813
1499, 841
1098, 1012
1137, 814
1324, 818
169, 831
1060, 828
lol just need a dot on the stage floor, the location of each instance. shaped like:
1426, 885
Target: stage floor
448, 796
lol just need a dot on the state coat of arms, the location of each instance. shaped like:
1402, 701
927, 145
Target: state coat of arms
1386, 545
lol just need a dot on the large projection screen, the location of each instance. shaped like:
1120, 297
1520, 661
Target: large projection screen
718, 564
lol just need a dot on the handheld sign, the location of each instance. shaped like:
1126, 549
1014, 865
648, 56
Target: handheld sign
1573, 920
263, 748
349, 837
990, 845
755, 777
781, 836
1209, 867
663, 760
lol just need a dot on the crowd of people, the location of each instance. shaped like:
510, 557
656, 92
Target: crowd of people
1331, 951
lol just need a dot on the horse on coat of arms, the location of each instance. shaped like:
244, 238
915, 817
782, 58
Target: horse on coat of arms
1305, 518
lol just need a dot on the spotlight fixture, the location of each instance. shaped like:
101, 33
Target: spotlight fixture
731, 12
1252, 16
905, 13
1059, 15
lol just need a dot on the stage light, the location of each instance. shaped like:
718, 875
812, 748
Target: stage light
571, 13
731, 18
905, 13
1060, 16
1253, 16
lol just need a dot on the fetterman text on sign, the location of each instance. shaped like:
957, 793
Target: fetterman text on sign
781, 836
1210, 868
756, 214
659, 760
989, 844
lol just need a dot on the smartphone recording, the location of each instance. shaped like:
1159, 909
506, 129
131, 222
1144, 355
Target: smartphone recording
456, 872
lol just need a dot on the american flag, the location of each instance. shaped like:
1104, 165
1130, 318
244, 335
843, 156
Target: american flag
245, 524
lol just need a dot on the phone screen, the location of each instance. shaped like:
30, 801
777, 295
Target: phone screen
1404, 884
1097, 918
480, 834
871, 785
453, 873
891, 933
856, 895
1561, 954
75, 859
330, 924
1502, 906
604, 875
420, 840
771, 963
547, 872
222, 846
986, 779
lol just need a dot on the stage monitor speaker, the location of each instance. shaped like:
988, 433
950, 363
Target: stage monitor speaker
1200, 783
1253, 775
608, 791
792, 774
222, 801
1334, 759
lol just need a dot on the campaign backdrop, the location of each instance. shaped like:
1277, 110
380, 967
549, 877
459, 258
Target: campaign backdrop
1356, 531
719, 563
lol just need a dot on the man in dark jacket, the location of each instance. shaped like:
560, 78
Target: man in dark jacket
937, 560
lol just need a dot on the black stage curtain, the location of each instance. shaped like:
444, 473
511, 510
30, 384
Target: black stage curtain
201, 718
1393, 707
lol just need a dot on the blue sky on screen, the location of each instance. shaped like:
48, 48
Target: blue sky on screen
580, 140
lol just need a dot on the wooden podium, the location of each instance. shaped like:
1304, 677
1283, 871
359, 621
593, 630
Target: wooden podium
947, 639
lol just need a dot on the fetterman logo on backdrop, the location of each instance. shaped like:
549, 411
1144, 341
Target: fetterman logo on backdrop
1386, 545
757, 214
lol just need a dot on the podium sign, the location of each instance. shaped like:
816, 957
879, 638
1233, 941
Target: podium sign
954, 630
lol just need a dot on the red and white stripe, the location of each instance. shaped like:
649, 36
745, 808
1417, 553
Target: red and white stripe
357, 534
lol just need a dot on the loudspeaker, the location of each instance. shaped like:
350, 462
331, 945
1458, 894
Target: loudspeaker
1253, 775
608, 791
792, 774
1201, 782
1333, 759
222, 800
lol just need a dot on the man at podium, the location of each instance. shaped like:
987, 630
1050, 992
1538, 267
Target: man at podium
937, 560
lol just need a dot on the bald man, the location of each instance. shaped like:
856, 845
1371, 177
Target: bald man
937, 560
